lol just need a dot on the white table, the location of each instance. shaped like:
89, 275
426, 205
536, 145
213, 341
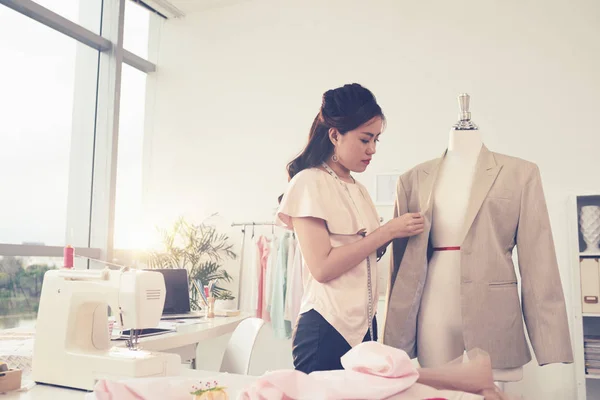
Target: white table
183, 342
234, 383
189, 333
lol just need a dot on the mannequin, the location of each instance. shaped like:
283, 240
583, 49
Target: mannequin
452, 288
440, 329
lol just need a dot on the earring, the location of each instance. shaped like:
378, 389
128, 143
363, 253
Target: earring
334, 158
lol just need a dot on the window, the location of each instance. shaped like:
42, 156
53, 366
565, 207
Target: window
129, 232
58, 100
136, 29
20, 288
36, 130
83, 12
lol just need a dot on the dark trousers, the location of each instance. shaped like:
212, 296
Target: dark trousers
318, 346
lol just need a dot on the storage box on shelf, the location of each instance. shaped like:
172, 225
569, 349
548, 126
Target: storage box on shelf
590, 285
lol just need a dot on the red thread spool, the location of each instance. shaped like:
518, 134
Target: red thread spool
68, 254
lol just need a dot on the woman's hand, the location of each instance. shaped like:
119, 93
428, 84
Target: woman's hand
406, 225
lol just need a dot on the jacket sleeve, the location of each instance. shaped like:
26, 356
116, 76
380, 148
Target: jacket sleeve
542, 295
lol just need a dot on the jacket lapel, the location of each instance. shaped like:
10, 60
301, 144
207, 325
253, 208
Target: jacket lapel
486, 171
427, 177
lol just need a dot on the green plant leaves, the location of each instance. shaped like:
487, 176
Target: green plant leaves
200, 249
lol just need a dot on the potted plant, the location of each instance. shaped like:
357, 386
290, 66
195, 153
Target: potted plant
201, 250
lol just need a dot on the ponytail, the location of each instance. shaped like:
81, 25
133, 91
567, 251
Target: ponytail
317, 150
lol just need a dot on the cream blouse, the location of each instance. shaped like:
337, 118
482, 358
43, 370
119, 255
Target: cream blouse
342, 301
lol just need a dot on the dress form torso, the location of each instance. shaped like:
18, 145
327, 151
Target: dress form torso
453, 187
440, 331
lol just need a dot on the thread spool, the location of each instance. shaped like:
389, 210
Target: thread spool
68, 254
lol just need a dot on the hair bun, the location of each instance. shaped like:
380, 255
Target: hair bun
327, 99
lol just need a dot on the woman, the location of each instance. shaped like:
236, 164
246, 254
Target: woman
338, 229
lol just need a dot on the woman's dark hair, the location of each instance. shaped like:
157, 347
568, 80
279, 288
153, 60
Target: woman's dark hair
344, 108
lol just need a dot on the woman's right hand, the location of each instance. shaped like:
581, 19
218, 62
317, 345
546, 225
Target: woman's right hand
406, 225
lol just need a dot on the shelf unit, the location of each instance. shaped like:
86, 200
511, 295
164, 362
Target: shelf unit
585, 323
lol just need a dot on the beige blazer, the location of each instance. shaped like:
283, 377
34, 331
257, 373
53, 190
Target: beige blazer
506, 208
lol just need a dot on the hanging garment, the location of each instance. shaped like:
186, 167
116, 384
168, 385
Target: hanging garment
244, 294
507, 208
241, 275
281, 328
256, 277
271, 270
295, 287
251, 271
264, 248
287, 314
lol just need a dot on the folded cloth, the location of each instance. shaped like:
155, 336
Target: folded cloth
371, 371
161, 388
374, 358
173, 388
286, 385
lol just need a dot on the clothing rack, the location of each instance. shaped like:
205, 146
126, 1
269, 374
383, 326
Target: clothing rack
241, 270
251, 223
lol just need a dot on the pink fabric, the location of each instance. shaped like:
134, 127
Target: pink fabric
285, 385
376, 371
371, 371
374, 358
108, 390
264, 250
172, 388
294, 385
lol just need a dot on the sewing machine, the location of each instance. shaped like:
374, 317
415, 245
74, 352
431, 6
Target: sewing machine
72, 347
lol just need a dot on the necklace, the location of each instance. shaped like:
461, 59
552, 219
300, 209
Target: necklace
363, 234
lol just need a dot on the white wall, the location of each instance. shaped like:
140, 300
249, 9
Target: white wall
238, 87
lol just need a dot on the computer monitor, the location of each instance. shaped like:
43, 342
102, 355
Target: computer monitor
177, 298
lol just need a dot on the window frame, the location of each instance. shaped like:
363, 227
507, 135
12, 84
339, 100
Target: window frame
97, 223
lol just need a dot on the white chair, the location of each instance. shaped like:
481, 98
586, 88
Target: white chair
238, 352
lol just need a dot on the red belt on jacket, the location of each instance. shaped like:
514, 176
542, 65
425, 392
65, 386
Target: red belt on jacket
450, 248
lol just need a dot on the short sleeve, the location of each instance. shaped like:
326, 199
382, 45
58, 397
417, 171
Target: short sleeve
303, 198
313, 193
